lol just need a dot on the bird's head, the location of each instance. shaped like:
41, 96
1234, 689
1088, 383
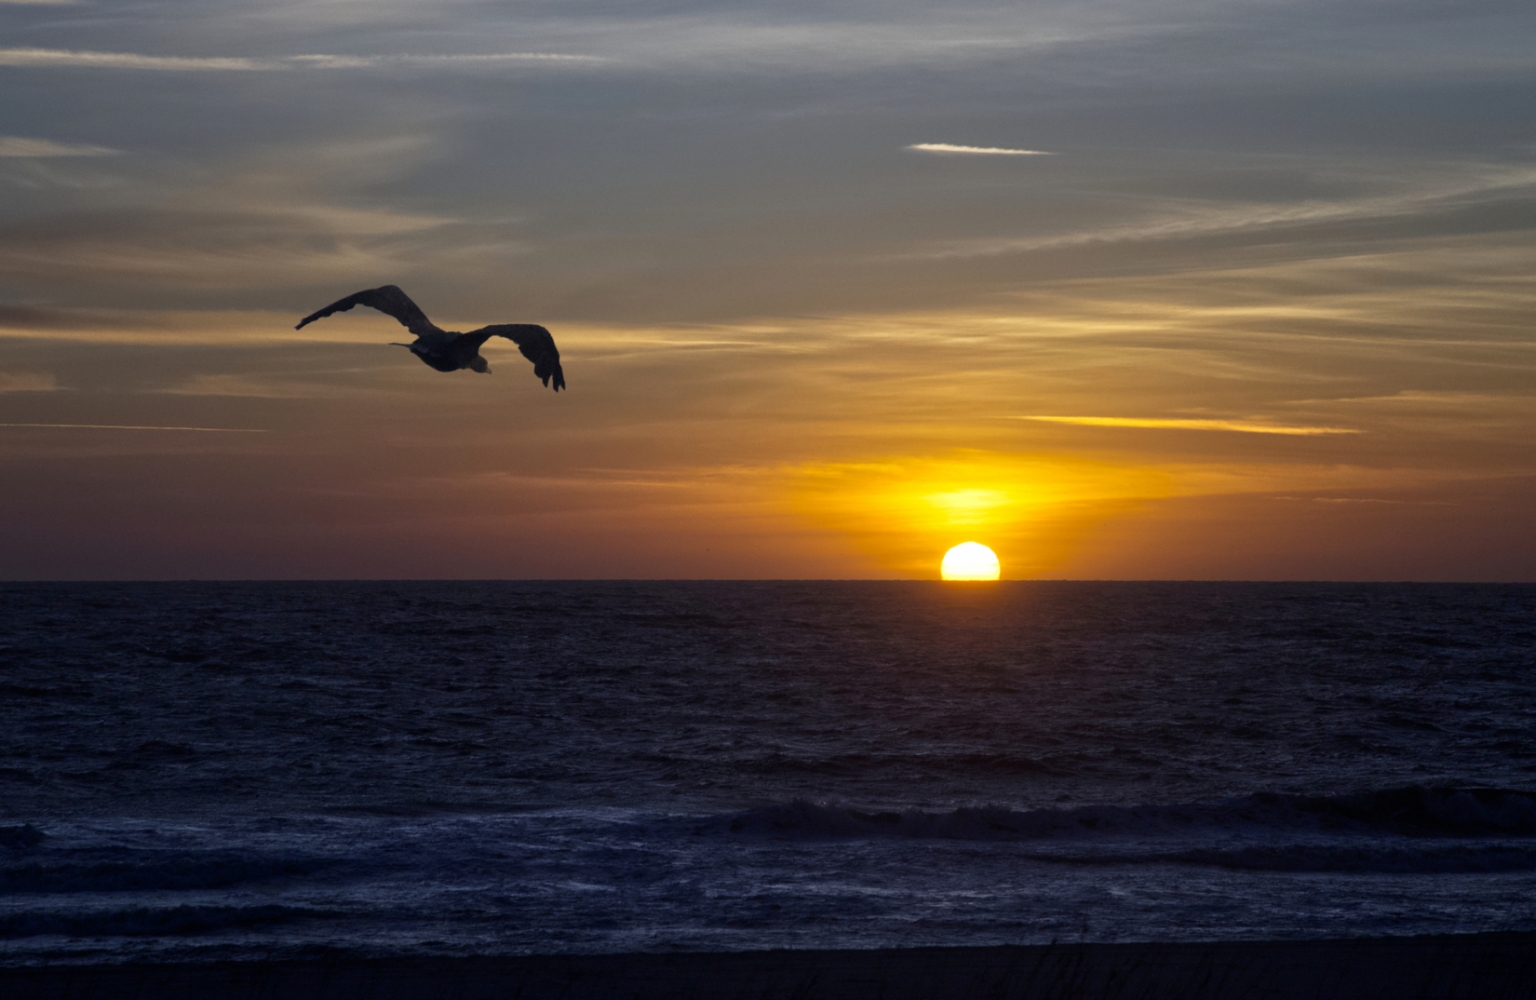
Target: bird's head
480, 365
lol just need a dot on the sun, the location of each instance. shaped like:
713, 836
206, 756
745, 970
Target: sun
970, 561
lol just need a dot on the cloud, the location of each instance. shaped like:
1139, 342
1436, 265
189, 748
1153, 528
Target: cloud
471, 59
946, 148
1415, 397
190, 327
123, 60
1241, 426
1187, 218
133, 60
17, 146
142, 427
245, 386
27, 382
261, 245
32, 322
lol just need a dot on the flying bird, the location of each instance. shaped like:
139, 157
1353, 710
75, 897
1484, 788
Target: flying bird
448, 351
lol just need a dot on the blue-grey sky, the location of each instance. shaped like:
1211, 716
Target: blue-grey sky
818, 271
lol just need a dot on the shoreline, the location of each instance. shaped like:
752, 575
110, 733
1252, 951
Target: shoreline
1486, 966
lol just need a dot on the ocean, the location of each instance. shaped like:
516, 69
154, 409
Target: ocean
204, 771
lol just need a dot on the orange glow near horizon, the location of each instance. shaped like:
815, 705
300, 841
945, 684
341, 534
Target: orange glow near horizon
900, 511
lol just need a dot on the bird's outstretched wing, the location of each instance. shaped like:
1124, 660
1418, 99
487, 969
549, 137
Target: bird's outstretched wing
535, 343
387, 299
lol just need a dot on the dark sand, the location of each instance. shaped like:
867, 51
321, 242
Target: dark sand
1481, 966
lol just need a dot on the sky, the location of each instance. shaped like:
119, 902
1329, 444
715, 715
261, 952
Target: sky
1172, 289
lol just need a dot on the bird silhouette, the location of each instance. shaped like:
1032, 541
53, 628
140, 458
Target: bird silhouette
448, 351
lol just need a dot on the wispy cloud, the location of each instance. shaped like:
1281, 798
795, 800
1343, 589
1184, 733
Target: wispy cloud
1241, 426
1190, 218
242, 386
947, 148
1415, 397
466, 59
27, 382
18, 146
142, 427
133, 60
40, 3
123, 60
259, 243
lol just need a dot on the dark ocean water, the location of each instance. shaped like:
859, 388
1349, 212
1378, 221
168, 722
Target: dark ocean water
238, 770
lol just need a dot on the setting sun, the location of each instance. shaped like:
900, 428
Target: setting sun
970, 561
898, 510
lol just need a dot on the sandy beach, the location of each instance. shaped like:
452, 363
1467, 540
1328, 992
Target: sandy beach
1500, 966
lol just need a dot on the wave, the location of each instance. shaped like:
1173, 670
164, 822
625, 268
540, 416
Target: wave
21, 837
1414, 811
173, 872
172, 921
855, 764
1419, 859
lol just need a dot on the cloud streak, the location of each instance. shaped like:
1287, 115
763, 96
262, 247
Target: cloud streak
1154, 423
1189, 218
945, 148
245, 387
123, 60
15, 146
64, 58
27, 382
141, 427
